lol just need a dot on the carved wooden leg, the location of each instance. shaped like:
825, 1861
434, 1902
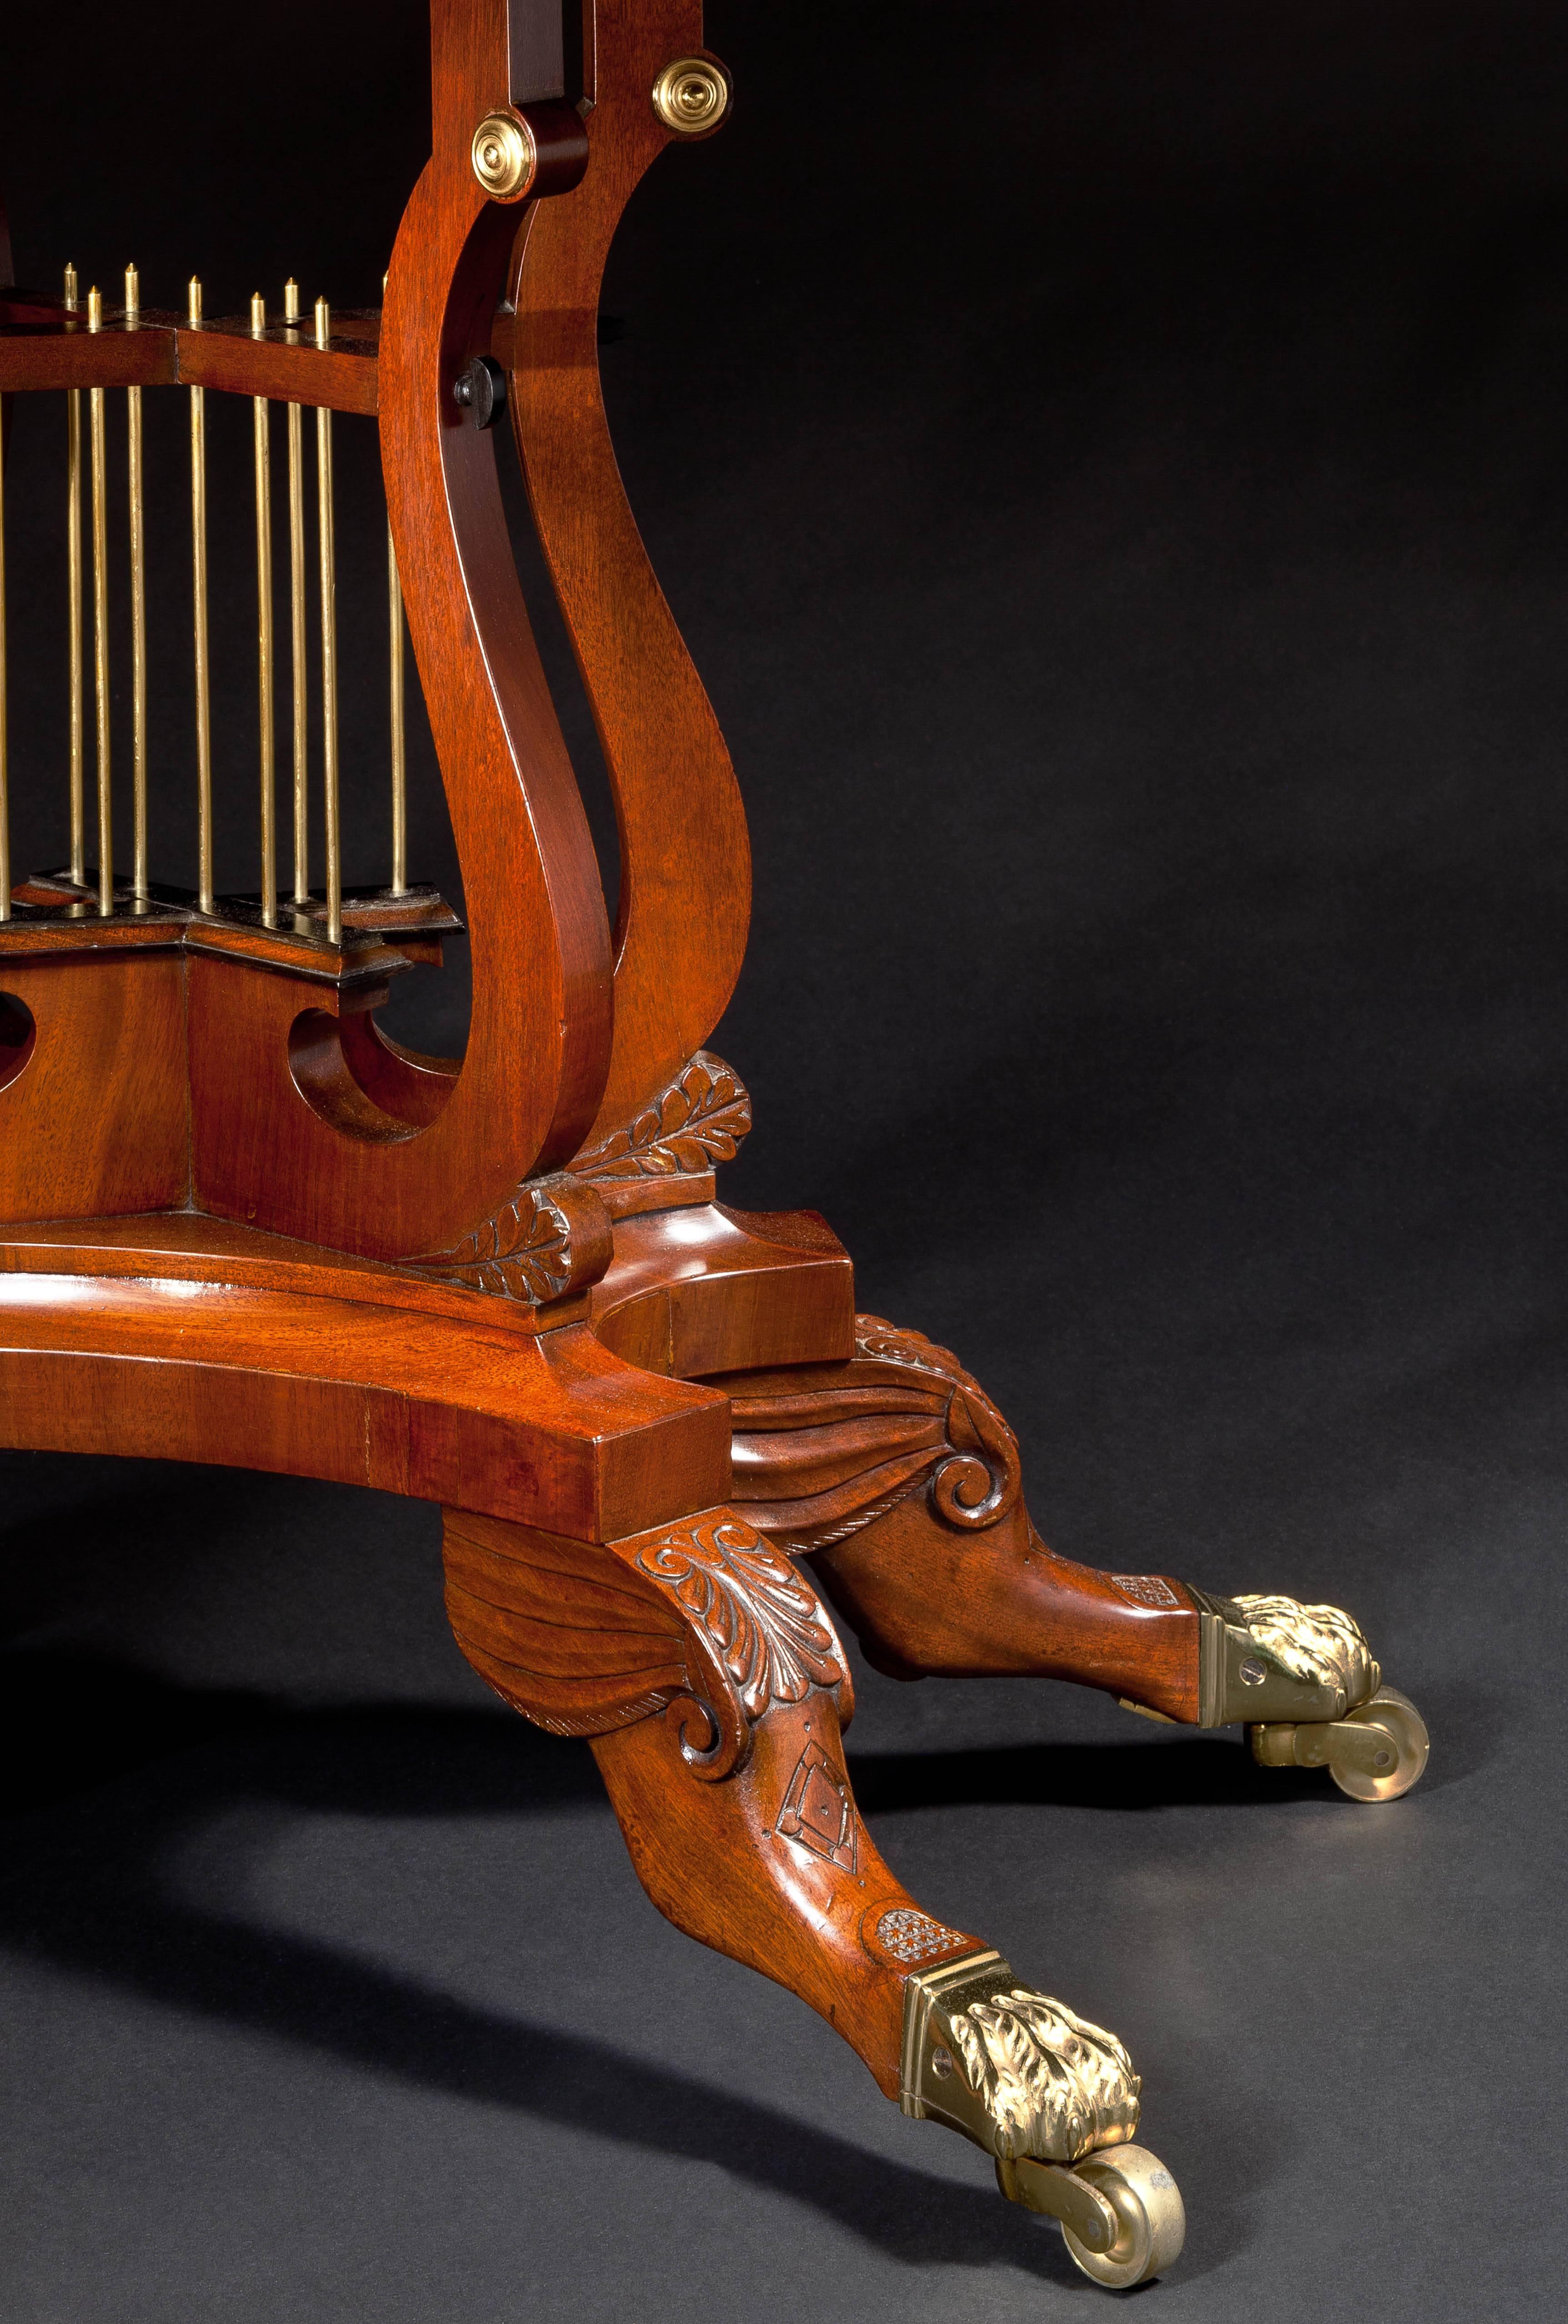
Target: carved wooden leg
707, 1673
900, 1480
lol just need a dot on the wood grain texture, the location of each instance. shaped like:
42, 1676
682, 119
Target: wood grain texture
547, 1429
97, 1117
44, 344
700, 1290
686, 891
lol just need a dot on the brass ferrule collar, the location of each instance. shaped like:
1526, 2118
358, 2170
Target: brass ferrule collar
955, 1985
1240, 1682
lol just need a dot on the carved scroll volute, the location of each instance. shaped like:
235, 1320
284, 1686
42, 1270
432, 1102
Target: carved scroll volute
539, 1041
686, 893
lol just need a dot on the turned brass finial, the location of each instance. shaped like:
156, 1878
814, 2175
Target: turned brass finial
95, 308
195, 308
70, 284
505, 156
323, 322
692, 96
258, 313
291, 301
133, 290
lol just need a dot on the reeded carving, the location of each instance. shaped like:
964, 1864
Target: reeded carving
700, 1120
1051, 2085
813, 1464
1322, 1645
553, 1237
761, 1632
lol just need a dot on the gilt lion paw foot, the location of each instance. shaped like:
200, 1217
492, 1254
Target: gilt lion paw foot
1272, 1657
1052, 2085
1055, 2101
1303, 1681
1018, 2072
1322, 1645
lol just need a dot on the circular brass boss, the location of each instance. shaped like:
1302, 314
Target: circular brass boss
505, 156
692, 96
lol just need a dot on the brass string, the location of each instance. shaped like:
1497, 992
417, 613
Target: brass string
324, 522
400, 724
399, 707
133, 478
262, 411
297, 626
73, 564
101, 624
203, 673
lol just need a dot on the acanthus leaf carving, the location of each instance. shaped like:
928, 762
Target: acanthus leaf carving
761, 1634
697, 1120
553, 1236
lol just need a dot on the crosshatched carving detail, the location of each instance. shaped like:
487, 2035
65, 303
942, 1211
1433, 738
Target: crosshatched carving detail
915, 1938
1147, 1590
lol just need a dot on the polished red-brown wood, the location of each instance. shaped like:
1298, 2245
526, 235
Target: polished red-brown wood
240, 1224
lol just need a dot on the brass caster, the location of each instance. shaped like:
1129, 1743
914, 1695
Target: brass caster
1119, 2210
1375, 1752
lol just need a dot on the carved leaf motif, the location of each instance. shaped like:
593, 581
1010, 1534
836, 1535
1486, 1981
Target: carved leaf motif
765, 1623
697, 1120
524, 1252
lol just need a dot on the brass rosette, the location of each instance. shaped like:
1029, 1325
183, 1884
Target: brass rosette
506, 157
692, 96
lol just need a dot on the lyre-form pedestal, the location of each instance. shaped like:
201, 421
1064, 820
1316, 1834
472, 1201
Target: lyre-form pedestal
239, 1222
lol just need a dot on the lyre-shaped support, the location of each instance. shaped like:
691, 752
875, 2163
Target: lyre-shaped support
686, 892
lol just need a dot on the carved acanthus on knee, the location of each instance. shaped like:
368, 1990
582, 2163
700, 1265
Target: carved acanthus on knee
702, 1620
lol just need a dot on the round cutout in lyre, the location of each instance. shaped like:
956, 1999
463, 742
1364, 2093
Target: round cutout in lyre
18, 1038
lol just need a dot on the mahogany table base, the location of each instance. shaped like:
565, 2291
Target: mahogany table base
240, 1224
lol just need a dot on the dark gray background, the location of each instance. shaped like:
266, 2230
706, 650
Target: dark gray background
1111, 464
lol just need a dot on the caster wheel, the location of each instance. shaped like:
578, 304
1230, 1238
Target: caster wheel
1374, 1752
1397, 1716
1147, 2202
1118, 2210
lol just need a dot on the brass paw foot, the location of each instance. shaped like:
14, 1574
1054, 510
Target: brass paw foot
1302, 1681
1054, 2100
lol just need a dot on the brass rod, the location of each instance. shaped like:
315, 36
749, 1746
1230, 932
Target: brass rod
101, 624
297, 626
73, 568
400, 724
4, 721
203, 670
262, 411
323, 527
133, 479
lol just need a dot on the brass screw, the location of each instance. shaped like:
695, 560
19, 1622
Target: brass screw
692, 96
